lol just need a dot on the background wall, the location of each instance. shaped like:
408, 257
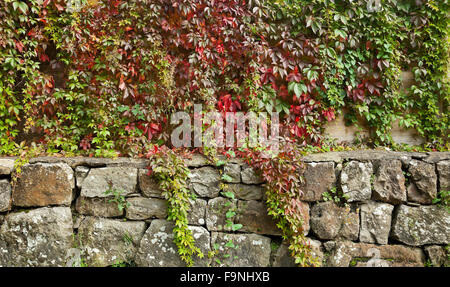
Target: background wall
58, 212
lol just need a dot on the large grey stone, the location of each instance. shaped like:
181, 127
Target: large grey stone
424, 182
329, 221
97, 207
205, 181
241, 250
246, 192
197, 160
249, 176
375, 222
5, 195
216, 213
437, 255
233, 170
196, 215
141, 208
106, 242
6, 166
283, 258
443, 169
346, 253
39, 237
319, 178
100, 180
44, 184
148, 186
389, 185
355, 180
254, 218
157, 248
421, 225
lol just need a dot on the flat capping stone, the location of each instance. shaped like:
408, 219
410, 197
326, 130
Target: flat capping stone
370, 155
73, 162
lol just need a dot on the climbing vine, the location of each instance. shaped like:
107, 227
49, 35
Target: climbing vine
170, 171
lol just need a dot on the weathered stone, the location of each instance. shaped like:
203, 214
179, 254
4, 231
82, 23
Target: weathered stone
196, 216
443, 169
355, 181
329, 221
424, 179
80, 174
375, 222
319, 178
105, 242
97, 207
434, 157
197, 160
73, 162
216, 213
346, 253
246, 250
6, 166
437, 255
39, 237
205, 181
421, 225
233, 170
141, 208
249, 176
389, 185
44, 184
254, 218
157, 248
2, 218
5, 195
283, 258
246, 192
100, 180
148, 186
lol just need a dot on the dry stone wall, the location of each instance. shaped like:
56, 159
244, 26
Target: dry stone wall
59, 214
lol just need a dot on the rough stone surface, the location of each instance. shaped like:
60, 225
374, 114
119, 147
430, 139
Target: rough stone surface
97, 207
355, 180
319, 178
443, 169
5, 195
437, 255
389, 185
44, 184
216, 213
148, 186
157, 248
250, 250
421, 225
39, 237
6, 166
106, 241
249, 176
197, 160
141, 208
254, 218
375, 222
424, 178
246, 192
283, 258
329, 221
196, 216
346, 253
80, 174
205, 181
100, 180
233, 170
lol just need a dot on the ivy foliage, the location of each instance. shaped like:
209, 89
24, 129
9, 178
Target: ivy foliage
102, 77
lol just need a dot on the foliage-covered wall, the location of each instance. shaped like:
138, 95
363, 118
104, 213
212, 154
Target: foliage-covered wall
127, 65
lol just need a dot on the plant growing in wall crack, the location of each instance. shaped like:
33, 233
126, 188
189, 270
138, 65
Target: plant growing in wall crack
118, 198
172, 174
